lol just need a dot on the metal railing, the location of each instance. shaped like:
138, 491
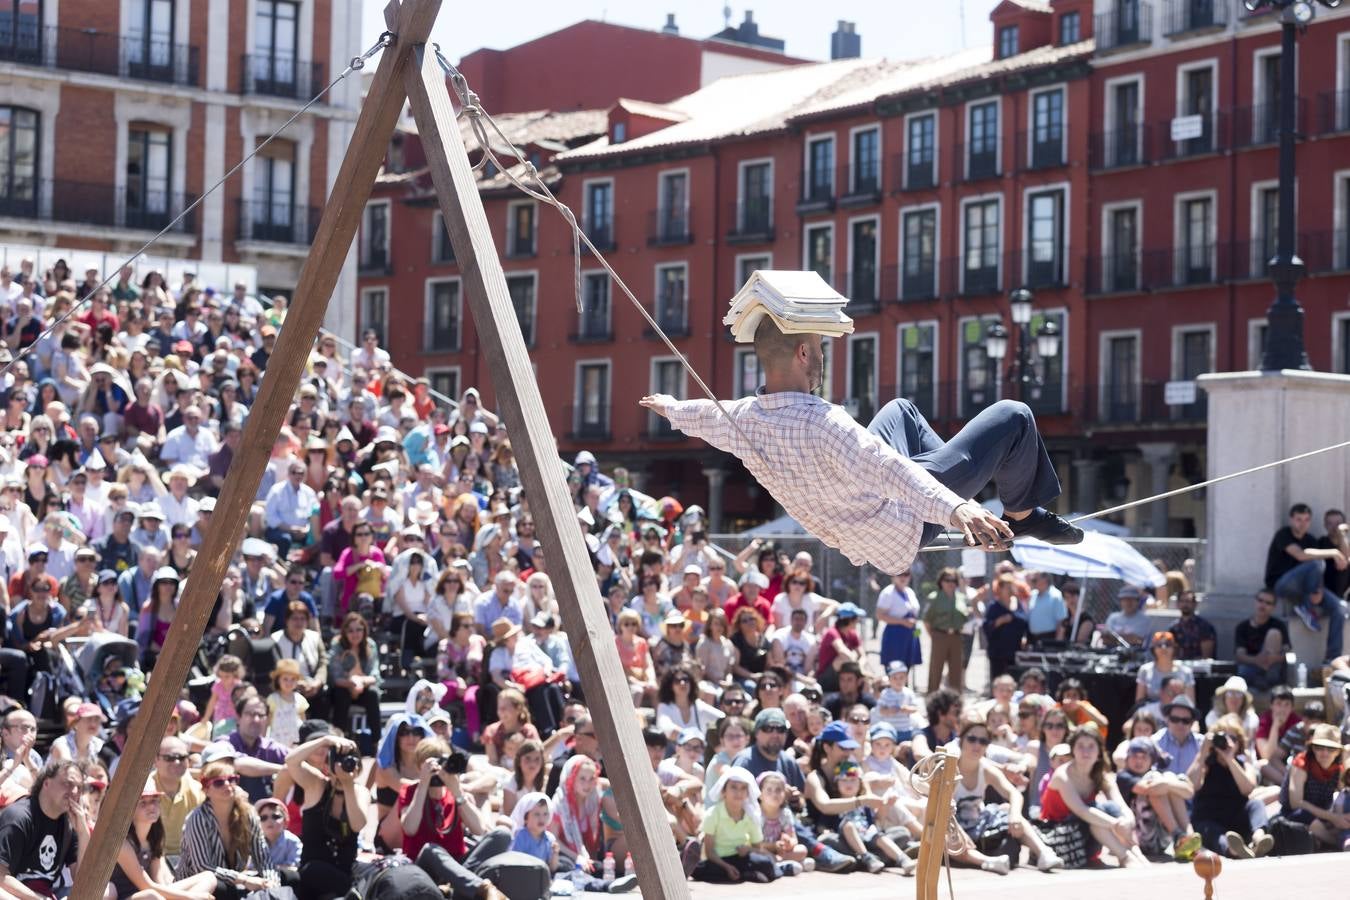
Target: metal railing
818, 194
102, 53
1121, 147
1260, 123
915, 175
589, 422
261, 220
913, 281
602, 235
752, 222
1123, 24
1325, 251
1152, 270
279, 76
1033, 155
82, 203
1333, 112
668, 227
862, 184
1215, 136
975, 163
1181, 16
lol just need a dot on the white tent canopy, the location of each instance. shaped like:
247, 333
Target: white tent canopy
1098, 556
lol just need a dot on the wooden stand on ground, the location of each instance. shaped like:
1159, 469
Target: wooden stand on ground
407, 70
937, 817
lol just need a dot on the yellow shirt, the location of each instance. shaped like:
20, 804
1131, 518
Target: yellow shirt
729, 833
173, 812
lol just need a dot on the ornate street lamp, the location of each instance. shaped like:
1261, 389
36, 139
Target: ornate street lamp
1284, 332
1022, 373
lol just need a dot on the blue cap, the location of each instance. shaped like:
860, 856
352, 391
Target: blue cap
848, 611
883, 730
837, 733
106, 576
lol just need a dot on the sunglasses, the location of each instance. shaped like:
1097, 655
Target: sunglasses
174, 757
1180, 720
270, 817
95, 787
1164, 644
975, 739
770, 685
733, 701
117, 673
774, 729
223, 781
1055, 726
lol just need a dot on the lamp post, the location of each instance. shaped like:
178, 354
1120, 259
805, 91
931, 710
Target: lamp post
1284, 330
1022, 373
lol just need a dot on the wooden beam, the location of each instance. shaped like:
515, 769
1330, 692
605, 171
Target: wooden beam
937, 816
332, 242
583, 615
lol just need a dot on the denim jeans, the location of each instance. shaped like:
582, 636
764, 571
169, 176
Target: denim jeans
1299, 584
1259, 679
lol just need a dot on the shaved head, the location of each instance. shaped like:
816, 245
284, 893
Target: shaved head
774, 348
784, 368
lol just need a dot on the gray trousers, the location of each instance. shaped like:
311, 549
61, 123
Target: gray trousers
1001, 444
461, 876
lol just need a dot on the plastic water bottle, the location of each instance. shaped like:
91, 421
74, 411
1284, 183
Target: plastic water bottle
1302, 675
579, 876
609, 867
628, 865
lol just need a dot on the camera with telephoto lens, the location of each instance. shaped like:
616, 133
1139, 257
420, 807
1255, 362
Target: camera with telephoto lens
456, 762
346, 761
1220, 741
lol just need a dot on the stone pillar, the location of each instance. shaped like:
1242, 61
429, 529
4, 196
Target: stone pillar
1256, 418
1160, 458
1085, 487
716, 480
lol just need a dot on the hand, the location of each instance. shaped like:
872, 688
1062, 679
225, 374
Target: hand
429, 768
981, 527
1340, 560
658, 403
743, 850
733, 874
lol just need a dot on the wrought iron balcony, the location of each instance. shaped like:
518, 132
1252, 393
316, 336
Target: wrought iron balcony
1182, 16
590, 422
976, 162
862, 185
669, 227
280, 76
81, 203
260, 220
752, 222
915, 174
1124, 23
100, 52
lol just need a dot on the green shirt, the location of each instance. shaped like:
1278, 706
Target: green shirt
729, 833
946, 612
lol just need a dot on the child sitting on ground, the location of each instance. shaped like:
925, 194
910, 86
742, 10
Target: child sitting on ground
780, 826
858, 827
531, 836
1158, 800
897, 704
734, 848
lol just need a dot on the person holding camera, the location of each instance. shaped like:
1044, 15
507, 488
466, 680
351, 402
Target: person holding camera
331, 816
434, 815
1224, 814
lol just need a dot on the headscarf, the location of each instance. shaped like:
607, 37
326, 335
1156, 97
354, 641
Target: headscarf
525, 804
438, 692
387, 758
398, 572
578, 817
743, 775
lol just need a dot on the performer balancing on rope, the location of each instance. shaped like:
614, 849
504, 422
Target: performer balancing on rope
877, 494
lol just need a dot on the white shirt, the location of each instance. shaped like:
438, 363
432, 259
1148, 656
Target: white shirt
179, 446
844, 484
289, 507
177, 512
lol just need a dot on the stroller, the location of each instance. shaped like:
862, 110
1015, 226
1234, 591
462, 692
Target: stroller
92, 662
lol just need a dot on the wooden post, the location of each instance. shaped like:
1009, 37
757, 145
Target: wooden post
583, 613
411, 22
936, 818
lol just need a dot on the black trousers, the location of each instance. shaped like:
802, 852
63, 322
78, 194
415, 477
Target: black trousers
754, 867
369, 702
461, 875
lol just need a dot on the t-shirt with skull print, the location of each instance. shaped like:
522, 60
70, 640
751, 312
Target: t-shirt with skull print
30, 843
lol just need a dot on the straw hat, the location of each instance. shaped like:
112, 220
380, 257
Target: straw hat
424, 514
503, 629
1235, 683
182, 470
1325, 735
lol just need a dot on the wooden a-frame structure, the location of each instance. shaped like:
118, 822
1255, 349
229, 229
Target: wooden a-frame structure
408, 70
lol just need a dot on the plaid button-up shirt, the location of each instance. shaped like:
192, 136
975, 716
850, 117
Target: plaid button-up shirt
843, 483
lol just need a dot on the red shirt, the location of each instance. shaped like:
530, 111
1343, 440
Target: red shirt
734, 604
852, 640
440, 824
1263, 724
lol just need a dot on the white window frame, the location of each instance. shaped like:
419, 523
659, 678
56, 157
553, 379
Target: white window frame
875, 218
388, 230
1259, 82
1109, 103
740, 355
1338, 361
1342, 75
1063, 89
937, 148
1002, 237
1064, 332
1179, 230
1254, 348
429, 371
1059, 27
578, 400
654, 387
1178, 334
1064, 188
1108, 249
740, 185
511, 207
834, 246
364, 294
586, 203
936, 207
437, 223
998, 141
1253, 232
1212, 63
810, 140
1104, 339
657, 271
534, 323
937, 360
1340, 218
960, 363
853, 164
739, 261
875, 337
1016, 29
661, 177
609, 311
427, 287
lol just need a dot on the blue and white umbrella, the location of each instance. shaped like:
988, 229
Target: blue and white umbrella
1098, 556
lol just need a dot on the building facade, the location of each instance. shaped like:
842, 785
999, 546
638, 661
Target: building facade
116, 116
926, 191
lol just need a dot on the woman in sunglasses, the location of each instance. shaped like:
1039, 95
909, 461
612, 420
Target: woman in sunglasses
224, 836
1163, 646
141, 867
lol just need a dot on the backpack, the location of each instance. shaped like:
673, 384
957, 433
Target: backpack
1291, 838
394, 878
518, 875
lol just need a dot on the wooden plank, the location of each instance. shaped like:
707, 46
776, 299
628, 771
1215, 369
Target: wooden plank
936, 818
628, 766
318, 277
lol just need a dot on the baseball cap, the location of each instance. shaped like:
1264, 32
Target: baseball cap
768, 718
478, 428
1128, 591
692, 569
218, 751
89, 711
837, 733
848, 611
896, 665
759, 579
689, 734
883, 730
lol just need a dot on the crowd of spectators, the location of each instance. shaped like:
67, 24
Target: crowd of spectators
390, 562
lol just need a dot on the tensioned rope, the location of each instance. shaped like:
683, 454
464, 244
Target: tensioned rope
470, 106
355, 65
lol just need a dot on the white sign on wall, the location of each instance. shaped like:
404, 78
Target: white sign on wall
1184, 128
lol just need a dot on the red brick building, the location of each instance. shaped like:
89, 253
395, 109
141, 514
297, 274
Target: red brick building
927, 191
116, 116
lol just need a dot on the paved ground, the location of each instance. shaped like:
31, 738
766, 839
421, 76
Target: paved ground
1304, 877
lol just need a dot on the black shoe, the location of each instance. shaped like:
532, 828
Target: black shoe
1046, 526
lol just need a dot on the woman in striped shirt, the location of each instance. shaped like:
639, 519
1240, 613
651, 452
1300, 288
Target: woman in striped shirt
224, 836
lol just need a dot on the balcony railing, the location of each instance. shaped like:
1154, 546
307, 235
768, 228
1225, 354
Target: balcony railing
102, 53
668, 227
590, 422
672, 315
1325, 251
751, 222
659, 429
920, 175
280, 76
592, 331
913, 282
1123, 24
974, 275
1260, 124
81, 203
1181, 16
281, 223
375, 261
1122, 147
1042, 274
863, 289
817, 195
1333, 112
1215, 137
975, 162
1133, 402
1155, 270
1033, 155
862, 185
602, 235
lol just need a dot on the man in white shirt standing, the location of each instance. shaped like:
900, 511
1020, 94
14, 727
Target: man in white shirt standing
881, 493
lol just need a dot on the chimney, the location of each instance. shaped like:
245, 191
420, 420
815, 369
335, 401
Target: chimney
845, 43
748, 31
670, 26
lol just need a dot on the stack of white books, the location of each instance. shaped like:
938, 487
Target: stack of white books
797, 302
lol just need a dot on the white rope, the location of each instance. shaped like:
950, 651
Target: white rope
357, 63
